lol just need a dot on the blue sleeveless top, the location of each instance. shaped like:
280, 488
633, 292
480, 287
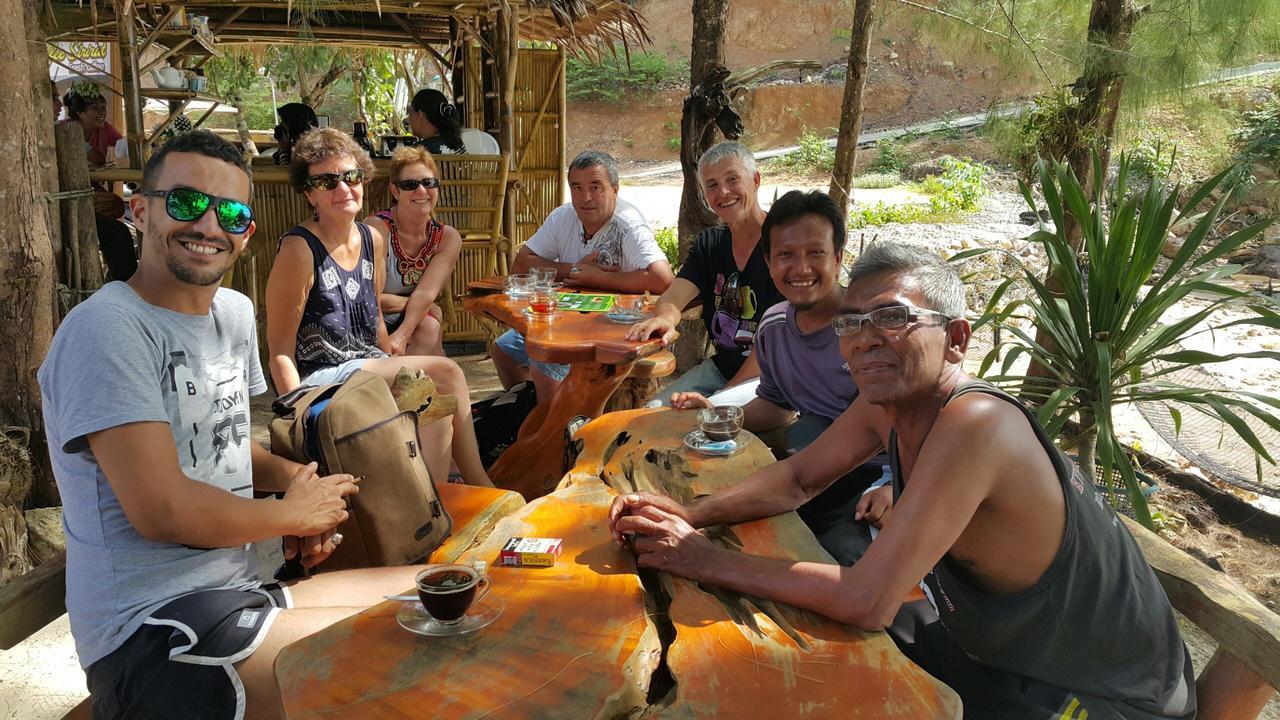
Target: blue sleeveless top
340, 320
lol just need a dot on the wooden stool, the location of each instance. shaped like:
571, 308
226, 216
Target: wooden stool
642, 383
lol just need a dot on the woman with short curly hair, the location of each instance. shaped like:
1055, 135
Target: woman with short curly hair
323, 320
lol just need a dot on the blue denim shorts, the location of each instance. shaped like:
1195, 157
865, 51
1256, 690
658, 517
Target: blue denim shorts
512, 343
334, 373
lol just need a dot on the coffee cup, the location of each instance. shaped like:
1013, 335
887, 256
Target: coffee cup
447, 591
720, 423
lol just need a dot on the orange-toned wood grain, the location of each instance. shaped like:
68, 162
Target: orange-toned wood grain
600, 360
574, 640
570, 338
475, 510
737, 656
535, 463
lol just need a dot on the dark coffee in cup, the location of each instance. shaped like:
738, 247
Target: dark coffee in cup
447, 591
720, 432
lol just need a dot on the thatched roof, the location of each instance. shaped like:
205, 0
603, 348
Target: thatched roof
585, 26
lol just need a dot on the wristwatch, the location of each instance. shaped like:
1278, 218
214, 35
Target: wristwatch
574, 269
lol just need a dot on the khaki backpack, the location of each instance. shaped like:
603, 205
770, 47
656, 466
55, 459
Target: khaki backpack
355, 427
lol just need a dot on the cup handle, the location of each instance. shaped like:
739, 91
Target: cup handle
484, 590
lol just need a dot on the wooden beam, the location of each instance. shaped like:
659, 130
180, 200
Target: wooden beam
1217, 603
31, 601
414, 34
1227, 690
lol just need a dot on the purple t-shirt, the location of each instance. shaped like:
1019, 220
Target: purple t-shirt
801, 372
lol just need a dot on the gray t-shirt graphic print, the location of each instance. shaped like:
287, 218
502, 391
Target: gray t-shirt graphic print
118, 360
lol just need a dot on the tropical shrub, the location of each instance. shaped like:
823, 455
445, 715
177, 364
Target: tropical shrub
1102, 335
614, 79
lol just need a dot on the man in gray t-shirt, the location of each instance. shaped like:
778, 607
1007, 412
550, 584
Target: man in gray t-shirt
146, 401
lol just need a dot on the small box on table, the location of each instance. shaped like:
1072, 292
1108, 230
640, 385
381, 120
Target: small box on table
532, 552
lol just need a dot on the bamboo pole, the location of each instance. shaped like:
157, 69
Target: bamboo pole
129, 74
562, 168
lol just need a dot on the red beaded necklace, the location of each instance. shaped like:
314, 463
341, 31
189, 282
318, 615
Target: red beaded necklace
411, 268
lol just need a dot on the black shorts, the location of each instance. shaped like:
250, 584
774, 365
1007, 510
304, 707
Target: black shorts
179, 664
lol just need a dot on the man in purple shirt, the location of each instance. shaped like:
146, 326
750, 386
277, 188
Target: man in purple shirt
801, 369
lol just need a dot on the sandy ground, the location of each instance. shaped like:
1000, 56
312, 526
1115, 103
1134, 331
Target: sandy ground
41, 678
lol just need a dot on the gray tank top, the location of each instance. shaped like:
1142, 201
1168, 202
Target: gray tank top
1097, 622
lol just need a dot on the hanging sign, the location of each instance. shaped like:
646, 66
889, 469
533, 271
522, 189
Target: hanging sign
80, 58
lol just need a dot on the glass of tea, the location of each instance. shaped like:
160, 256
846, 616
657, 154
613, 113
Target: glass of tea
720, 423
542, 302
447, 591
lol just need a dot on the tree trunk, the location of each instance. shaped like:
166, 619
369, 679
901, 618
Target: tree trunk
1099, 88
82, 271
26, 256
855, 82
697, 124
41, 91
242, 128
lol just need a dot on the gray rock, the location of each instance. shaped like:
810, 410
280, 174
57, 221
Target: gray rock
1266, 261
45, 537
924, 169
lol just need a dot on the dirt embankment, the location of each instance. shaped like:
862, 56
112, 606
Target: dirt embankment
909, 81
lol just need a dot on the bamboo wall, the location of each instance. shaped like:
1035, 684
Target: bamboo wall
539, 162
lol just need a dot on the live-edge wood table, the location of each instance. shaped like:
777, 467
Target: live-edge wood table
591, 638
599, 359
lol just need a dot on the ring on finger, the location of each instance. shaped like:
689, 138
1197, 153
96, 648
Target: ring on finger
336, 539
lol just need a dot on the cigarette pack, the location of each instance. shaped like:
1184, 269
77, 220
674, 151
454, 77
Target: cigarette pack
533, 552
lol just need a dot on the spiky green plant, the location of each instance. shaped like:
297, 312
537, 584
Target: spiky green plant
1112, 339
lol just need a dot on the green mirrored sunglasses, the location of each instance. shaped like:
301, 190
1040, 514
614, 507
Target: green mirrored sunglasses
186, 204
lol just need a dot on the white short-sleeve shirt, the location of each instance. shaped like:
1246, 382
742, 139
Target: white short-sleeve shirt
625, 242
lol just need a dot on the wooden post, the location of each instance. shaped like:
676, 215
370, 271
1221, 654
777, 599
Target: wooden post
562, 168
458, 69
1227, 690
129, 74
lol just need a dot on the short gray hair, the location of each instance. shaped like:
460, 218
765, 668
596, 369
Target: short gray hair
596, 158
938, 281
725, 150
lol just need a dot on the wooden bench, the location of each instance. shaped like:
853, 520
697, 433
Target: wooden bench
1245, 671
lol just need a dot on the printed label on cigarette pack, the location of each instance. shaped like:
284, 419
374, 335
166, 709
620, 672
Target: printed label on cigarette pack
533, 552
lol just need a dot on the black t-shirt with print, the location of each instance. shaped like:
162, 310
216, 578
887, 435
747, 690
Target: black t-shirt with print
733, 300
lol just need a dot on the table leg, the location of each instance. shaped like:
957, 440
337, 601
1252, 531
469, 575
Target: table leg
534, 464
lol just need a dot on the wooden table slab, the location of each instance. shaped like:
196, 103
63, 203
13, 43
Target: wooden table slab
593, 638
574, 640
739, 656
600, 358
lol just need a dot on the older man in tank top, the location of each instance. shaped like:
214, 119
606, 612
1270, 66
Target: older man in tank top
1016, 548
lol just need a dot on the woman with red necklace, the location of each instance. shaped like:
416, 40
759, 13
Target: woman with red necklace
421, 253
